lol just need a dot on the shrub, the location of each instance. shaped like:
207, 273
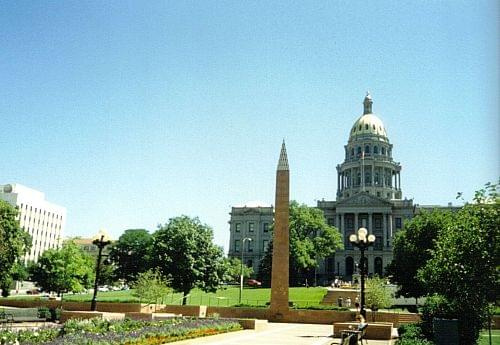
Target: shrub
435, 306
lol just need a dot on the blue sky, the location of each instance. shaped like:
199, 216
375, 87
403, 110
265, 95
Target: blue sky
130, 113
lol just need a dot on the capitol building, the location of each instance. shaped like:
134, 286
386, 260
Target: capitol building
369, 195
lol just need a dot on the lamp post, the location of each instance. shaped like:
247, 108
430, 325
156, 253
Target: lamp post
101, 240
241, 265
362, 241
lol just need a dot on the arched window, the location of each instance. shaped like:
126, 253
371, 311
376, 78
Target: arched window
366, 126
368, 178
358, 180
359, 150
367, 149
359, 128
375, 150
383, 150
378, 266
352, 152
249, 263
349, 266
373, 127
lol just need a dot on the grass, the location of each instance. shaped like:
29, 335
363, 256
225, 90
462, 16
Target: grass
485, 340
301, 296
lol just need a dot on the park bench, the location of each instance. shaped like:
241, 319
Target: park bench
20, 315
375, 330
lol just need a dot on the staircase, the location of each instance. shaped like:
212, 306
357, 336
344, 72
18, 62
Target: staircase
332, 296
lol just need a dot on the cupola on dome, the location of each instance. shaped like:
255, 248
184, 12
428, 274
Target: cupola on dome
368, 124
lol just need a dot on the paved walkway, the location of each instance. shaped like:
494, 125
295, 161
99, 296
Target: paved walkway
277, 334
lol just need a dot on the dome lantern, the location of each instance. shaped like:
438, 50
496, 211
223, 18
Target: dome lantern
367, 104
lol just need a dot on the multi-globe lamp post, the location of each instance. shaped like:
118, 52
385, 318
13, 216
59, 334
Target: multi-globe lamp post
362, 240
241, 265
101, 240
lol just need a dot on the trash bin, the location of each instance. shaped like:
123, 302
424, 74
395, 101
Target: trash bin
445, 331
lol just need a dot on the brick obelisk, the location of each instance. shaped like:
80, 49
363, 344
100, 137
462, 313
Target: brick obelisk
279, 276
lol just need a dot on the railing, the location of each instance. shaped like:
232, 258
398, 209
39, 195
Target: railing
214, 301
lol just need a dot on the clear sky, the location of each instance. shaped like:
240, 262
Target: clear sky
129, 113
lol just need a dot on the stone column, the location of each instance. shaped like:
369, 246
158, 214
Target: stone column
280, 261
370, 223
384, 228
339, 187
390, 229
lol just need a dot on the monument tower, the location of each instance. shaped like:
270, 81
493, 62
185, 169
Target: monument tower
279, 276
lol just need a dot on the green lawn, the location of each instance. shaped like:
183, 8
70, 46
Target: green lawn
485, 340
301, 296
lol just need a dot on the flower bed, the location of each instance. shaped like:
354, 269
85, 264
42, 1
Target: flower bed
127, 332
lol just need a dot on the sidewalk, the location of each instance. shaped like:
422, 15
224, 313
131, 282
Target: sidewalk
277, 334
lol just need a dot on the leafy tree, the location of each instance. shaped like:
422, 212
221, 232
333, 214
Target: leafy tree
377, 294
108, 274
185, 254
67, 269
233, 270
132, 254
150, 286
413, 248
464, 264
14, 243
311, 240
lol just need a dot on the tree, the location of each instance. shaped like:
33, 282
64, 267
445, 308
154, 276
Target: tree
132, 254
413, 248
150, 286
14, 243
184, 253
311, 240
67, 269
464, 263
377, 294
233, 270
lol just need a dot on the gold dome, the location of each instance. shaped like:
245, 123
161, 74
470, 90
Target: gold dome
368, 124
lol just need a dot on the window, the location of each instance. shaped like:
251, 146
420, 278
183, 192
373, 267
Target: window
250, 246
331, 221
373, 126
265, 227
236, 245
399, 223
251, 227
265, 244
375, 150
359, 150
366, 126
383, 150
367, 149
352, 152
237, 227
249, 263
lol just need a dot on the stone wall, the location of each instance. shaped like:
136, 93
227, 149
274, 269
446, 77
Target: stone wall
82, 306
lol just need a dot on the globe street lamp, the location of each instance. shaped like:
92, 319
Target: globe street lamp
241, 265
362, 242
101, 240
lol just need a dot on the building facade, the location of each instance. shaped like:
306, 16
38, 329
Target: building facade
44, 221
251, 221
369, 194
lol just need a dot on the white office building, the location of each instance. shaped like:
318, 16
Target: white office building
43, 220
